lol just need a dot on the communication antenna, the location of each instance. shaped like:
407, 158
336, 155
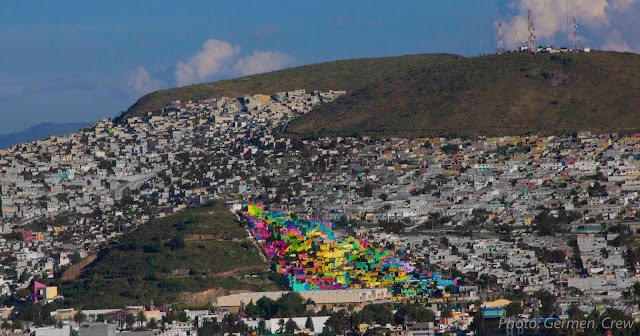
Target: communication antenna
515, 33
567, 36
575, 30
532, 42
500, 40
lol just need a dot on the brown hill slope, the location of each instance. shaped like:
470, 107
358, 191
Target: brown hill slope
511, 93
339, 75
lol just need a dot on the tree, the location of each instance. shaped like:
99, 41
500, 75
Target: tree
5, 325
377, 331
309, 323
290, 327
447, 313
392, 226
513, 309
262, 327
547, 300
101, 318
17, 325
412, 312
450, 149
337, 322
209, 328
153, 323
251, 310
281, 325
130, 320
574, 312
545, 223
423, 314
170, 316
183, 317
141, 318
79, 317
368, 190
451, 289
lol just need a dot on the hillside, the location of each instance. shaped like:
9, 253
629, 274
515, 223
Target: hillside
339, 75
423, 95
511, 93
188, 257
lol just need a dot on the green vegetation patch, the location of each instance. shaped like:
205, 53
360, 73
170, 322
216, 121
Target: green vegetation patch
500, 94
192, 251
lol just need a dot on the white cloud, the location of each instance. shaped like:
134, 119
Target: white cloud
550, 16
214, 56
141, 82
615, 42
262, 61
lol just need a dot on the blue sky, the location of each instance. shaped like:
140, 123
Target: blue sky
68, 61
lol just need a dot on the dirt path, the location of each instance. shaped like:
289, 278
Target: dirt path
209, 296
235, 271
75, 270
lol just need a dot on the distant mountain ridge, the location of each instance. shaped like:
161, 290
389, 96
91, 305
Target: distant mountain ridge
39, 132
441, 94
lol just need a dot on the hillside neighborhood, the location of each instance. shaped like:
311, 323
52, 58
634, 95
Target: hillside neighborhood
474, 229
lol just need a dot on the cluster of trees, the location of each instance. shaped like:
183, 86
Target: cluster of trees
342, 322
413, 312
547, 224
428, 187
13, 326
435, 220
551, 256
450, 149
392, 226
597, 190
138, 322
232, 324
135, 270
39, 314
288, 305
547, 303
366, 190
603, 323
479, 216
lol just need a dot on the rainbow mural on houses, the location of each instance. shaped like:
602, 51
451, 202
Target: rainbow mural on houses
313, 255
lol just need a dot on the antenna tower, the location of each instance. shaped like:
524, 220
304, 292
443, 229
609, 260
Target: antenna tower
500, 40
575, 31
515, 33
532, 43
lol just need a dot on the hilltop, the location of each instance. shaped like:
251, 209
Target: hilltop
189, 257
422, 95
501, 94
338, 75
